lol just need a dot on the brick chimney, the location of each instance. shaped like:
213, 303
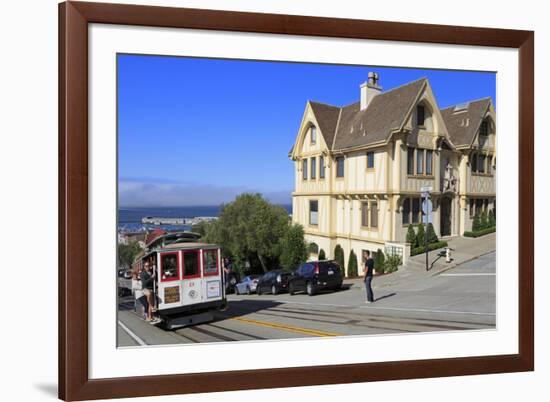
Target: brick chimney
369, 90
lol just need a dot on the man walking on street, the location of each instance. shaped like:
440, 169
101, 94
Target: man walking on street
367, 273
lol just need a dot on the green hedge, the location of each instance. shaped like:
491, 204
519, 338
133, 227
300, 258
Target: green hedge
482, 232
431, 246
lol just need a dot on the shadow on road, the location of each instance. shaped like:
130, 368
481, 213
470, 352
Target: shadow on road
385, 297
237, 308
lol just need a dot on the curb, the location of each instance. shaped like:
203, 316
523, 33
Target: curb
457, 264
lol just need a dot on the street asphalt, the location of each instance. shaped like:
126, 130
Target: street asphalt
456, 299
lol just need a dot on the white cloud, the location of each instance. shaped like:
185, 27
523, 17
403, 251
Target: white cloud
135, 193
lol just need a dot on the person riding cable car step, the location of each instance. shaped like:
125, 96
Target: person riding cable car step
138, 293
147, 277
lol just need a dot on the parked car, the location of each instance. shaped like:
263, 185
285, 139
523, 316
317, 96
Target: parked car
247, 285
312, 277
274, 282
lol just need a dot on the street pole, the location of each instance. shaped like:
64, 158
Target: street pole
426, 230
427, 210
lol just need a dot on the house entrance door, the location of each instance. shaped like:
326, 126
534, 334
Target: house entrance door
445, 217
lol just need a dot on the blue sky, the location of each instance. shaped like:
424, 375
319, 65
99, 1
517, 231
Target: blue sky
190, 128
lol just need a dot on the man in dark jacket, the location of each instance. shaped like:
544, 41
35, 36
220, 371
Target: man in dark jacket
368, 271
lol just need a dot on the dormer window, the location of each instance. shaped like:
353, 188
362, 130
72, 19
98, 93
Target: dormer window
484, 128
313, 134
420, 115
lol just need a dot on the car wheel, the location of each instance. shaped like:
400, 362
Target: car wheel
258, 290
310, 289
274, 290
248, 290
291, 289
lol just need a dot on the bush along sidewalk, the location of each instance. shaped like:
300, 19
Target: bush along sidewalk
483, 224
431, 246
352, 265
418, 239
481, 232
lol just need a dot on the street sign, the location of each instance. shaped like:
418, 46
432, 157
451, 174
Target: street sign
427, 209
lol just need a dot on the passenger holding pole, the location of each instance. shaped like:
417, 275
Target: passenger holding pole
147, 277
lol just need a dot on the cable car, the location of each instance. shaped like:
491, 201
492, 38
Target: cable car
188, 279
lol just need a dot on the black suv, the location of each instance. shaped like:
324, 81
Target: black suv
273, 282
311, 277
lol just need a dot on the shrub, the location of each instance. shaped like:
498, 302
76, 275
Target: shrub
313, 248
339, 256
322, 255
483, 222
492, 220
352, 264
476, 224
420, 236
481, 232
379, 262
411, 237
432, 237
432, 246
392, 263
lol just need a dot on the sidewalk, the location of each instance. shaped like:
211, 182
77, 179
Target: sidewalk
464, 249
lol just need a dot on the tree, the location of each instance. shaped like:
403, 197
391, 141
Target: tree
127, 254
432, 237
411, 237
339, 256
421, 235
379, 258
250, 225
352, 264
200, 228
492, 219
322, 255
293, 247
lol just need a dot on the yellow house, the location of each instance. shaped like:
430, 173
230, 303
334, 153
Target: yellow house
359, 168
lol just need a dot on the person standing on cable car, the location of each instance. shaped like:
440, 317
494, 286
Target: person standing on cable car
147, 277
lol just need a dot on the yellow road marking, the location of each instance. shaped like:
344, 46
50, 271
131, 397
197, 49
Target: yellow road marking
285, 327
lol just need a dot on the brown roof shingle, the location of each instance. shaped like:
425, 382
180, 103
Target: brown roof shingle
348, 127
462, 125
327, 117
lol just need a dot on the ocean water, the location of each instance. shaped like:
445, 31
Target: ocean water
129, 219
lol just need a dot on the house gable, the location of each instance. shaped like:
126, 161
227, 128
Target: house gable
303, 145
433, 131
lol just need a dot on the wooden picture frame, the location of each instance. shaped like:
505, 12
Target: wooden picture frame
74, 382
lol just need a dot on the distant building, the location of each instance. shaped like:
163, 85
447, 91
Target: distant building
128, 237
359, 168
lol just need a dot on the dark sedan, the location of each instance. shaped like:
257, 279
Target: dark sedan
312, 277
273, 282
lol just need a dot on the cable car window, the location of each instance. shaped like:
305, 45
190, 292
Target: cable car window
210, 263
169, 267
191, 263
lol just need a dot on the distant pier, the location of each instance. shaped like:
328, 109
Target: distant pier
155, 220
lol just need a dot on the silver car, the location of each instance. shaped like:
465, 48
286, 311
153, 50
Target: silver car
247, 285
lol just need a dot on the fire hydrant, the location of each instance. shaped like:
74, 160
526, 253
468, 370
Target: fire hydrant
447, 254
